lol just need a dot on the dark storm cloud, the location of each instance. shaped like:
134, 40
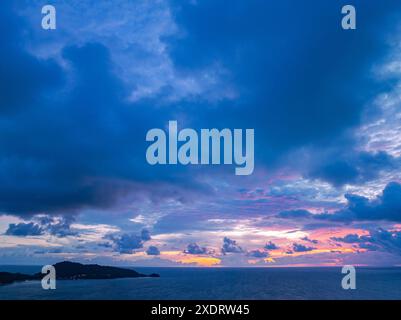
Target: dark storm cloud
297, 247
24, 229
68, 147
386, 206
56, 226
258, 254
378, 239
152, 251
60, 226
285, 73
88, 141
230, 246
145, 235
23, 78
270, 246
194, 248
356, 168
128, 242
349, 238
386, 240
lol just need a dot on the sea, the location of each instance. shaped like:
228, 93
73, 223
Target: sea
322, 283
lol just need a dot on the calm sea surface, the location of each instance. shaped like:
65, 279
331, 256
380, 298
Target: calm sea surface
217, 283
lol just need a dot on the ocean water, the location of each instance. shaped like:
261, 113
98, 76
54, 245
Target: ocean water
217, 283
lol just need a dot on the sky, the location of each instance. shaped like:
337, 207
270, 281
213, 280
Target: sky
76, 104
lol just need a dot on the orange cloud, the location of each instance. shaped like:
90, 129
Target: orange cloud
200, 261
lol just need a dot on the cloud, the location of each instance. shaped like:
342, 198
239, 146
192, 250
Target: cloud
58, 226
230, 246
66, 182
386, 206
128, 242
294, 214
297, 247
56, 170
378, 240
153, 251
310, 240
145, 235
369, 246
258, 254
23, 78
105, 245
24, 229
194, 248
54, 182
42, 224
350, 238
108, 166
354, 168
285, 112
270, 246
